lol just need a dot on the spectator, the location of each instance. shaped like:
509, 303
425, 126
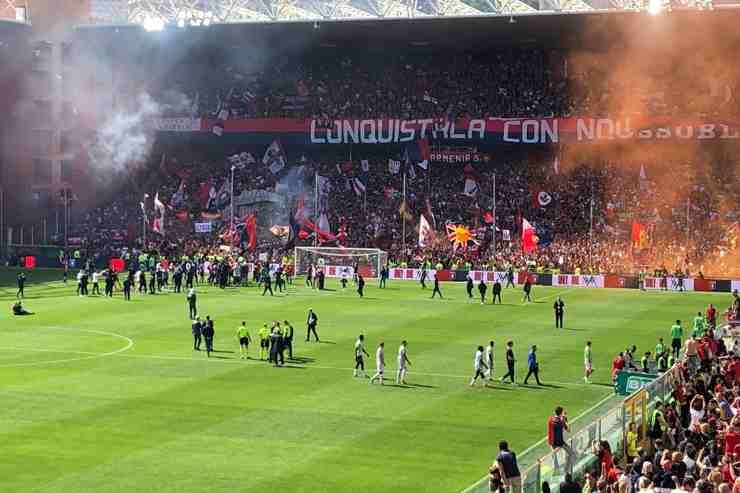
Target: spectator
507, 464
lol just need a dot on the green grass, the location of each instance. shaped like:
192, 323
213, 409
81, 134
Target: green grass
107, 396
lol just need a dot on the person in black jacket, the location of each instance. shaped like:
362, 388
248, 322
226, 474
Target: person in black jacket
276, 345
127, 288
197, 331
21, 285
360, 285
267, 280
559, 308
527, 290
311, 322
436, 287
569, 485
208, 333
383, 276
469, 287
510, 277
482, 288
510, 362
496, 292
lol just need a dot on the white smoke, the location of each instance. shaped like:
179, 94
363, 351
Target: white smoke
125, 138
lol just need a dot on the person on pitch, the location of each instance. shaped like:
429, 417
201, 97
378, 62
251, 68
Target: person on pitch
479, 367
360, 285
311, 322
242, 335
469, 287
510, 362
559, 308
379, 363
21, 281
489, 359
360, 353
288, 334
197, 331
264, 335
534, 366
496, 292
527, 289
403, 363
482, 288
436, 287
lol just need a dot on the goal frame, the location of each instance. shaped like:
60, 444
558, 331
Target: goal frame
348, 252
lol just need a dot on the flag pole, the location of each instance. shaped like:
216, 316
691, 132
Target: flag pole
591, 229
315, 202
232, 199
688, 225
66, 218
493, 226
403, 218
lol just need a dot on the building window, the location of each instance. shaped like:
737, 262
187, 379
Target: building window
20, 14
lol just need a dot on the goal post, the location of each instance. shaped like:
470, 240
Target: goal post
336, 262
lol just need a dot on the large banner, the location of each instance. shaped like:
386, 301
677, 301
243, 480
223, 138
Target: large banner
464, 131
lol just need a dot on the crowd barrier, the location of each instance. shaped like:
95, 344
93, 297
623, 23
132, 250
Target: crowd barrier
50, 258
572, 280
609, 423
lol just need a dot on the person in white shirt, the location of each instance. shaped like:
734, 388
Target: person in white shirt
379, 363
95, 280
489, 360
479, 366
80, 275
359, 357
403, 363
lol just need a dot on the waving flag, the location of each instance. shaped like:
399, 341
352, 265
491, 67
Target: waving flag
639, 235
394, 166
274, 157
250, 223
540, 198
359, 184
418, 153
529, 237
425, 231
158, 223
471, 187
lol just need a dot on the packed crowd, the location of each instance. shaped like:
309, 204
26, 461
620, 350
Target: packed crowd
507, 82
693, 437
585, 224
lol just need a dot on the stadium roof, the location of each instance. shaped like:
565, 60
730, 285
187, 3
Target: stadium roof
155, 14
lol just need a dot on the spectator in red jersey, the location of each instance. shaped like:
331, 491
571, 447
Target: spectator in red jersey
603, 451
617, 365
711, 316
732, 437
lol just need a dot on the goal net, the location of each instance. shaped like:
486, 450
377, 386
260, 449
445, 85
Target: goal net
339, 262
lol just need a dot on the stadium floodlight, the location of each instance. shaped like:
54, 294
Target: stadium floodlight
151, 23
655, 7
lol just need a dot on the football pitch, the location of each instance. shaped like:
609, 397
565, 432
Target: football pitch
107, 396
